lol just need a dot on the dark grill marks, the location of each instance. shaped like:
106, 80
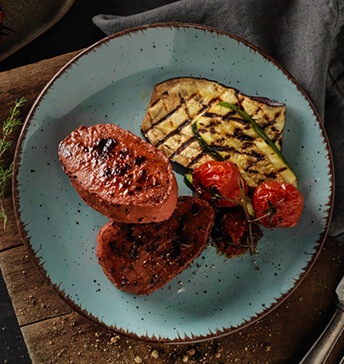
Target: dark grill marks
155, 102
195, 209
272, 122
210, 103
107, 172
182, 125
239, 120
277, 137
121, 170
183, 146
229, 115
258, 156
143, 177
211, 115
165, 117
105, 147
221, 148
257, 110
175, 249
173, 132
112, 245
228, 118
139, 160
214, 122
271, 175
197, 158
130, 233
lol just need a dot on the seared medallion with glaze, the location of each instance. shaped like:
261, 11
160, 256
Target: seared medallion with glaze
119, 174
141, 258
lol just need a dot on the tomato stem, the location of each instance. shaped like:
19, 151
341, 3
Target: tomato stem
247, 216
216, 195
268, 214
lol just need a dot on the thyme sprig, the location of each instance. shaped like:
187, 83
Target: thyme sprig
9, 125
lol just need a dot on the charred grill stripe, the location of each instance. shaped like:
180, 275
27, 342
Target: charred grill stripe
271, 175
192, 96
205, 107
272, 122
183, 146
155, 102
173, 132
197, 158
244, 138
165, 117
253, 171
210, 103
210, 125
222, 148
257, 110
239, 120
239, 103
236, 135
229, 114
277, 138
258, 156
177, 108
228, 117
211, 115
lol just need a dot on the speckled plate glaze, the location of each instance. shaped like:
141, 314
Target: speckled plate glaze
111, 82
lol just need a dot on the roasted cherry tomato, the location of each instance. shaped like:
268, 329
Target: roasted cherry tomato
235, 227
232, 233
281, 201
216, 178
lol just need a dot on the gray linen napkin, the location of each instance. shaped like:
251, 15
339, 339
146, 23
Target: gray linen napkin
306, 37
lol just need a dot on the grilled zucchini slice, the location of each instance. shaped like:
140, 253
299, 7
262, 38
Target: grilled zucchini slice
234, 139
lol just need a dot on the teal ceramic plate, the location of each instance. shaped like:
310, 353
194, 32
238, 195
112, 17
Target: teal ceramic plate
111, 82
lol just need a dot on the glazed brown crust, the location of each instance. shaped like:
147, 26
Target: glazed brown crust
142, 258
118, 174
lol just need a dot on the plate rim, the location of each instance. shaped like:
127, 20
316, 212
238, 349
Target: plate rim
186, 339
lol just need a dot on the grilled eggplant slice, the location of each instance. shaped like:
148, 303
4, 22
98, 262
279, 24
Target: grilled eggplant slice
178, 103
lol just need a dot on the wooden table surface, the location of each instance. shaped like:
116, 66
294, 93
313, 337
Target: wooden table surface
55, 333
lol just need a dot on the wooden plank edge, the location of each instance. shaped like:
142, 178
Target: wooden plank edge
32, 298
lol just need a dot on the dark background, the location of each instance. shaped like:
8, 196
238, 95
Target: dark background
76, 29
73, 32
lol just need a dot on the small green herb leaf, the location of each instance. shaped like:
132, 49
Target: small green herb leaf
11, 123
257, 129
215, 155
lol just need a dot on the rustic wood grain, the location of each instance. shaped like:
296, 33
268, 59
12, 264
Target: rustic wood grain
32, 298
54, 333
28, 82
